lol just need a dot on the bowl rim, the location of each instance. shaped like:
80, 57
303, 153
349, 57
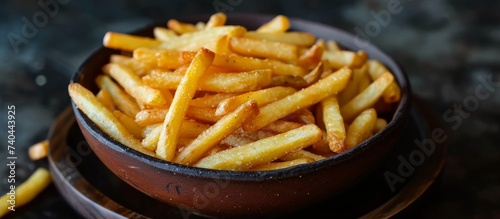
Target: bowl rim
400, 115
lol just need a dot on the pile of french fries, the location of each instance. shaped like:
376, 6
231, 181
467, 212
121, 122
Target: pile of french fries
218, 96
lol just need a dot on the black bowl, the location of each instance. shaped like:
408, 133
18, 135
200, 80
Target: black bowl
236, 194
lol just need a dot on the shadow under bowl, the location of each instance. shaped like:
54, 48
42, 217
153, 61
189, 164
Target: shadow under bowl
234, 193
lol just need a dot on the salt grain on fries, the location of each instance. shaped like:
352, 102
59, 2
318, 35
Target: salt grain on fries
223, 97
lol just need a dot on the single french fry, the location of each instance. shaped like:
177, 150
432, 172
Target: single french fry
129, 124
296, 38
301, 99
361, 128
214, 39
278, 24
106, 99
352, 88
216, 20
364, 83
332, 46
167, 59
282, 165
214, 82
148, 129
334, 124
263, 48
127, 42
180, 27
262, 97
302, 154
211, 100
280, 126
141, 68
39, 150
262, 151
213, 135
379, 125
392, 93
134, 86
311, 57
102, 117
239, 63
255, 135
164, 34
367, 98
314, 76
167, 144
121, 100
27, 191
339, 59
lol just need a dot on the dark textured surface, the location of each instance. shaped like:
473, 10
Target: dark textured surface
444, 45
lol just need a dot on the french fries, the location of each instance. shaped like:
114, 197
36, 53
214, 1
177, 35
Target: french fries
301, 99
213, 135
361, 128
279, 24
262, 151
219, 96
167, 144
334, 124
102, 117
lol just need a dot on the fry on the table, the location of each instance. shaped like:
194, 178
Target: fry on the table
301, 99
213, 135
27, 191
262, 151
39, 150
167, 144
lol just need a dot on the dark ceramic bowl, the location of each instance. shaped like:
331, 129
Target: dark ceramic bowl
236, 194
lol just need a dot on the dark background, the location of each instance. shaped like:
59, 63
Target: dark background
443, 45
